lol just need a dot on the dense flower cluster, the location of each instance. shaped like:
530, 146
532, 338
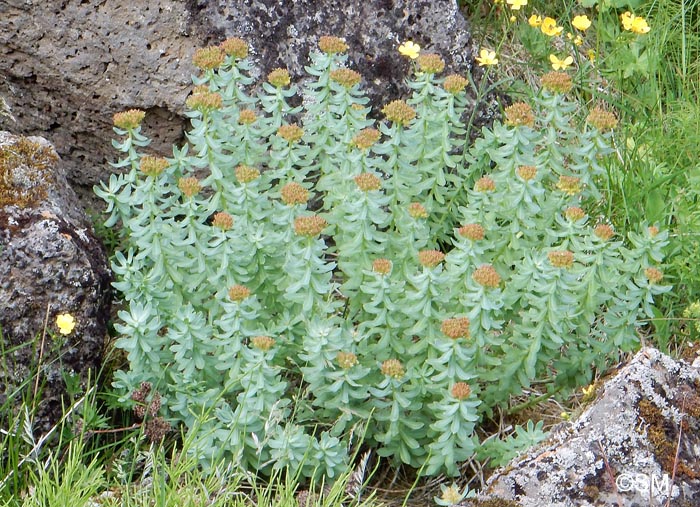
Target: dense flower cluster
417, 210
153, 166
474, 232
561, 258
367, 182
346, 77
223, 221
486, 276
208, 58
570, 185
485, 184
398, 111
293, 193
235, 47
204, 101
604, 231
393, 368
238, 293
527, 172
461, 390
519, 114
290, 133
430, 258
309, 226
431, 63
129, 120
346, 360
455, 328
454, 83
602, 119
264, 343
556, 82
654, 275
246, 117
381, 266
279, 78
574, 213
246, 174
189, 186
330, 45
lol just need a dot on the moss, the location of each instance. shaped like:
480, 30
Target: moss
663, 436
25, 171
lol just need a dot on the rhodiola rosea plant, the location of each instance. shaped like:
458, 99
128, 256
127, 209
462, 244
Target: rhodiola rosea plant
293, 273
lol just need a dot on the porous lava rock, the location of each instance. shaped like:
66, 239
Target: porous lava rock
50, 264
637, 444
66, 66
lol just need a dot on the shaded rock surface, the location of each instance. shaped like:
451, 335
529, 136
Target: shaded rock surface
50, 263
66, 66
623, 449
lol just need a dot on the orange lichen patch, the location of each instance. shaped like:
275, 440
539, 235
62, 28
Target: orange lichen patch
25, 171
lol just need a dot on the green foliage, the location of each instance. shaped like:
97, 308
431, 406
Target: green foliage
273, 332
67, 484
500, 452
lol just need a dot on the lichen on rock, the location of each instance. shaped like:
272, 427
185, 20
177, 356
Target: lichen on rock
50, 264
644, 424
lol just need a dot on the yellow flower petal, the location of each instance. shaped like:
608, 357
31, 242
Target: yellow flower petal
516, 4
626, 19
65, 323
410, 49
486, 57
581, 22
535, 20
639, 25
558, 64
549, 27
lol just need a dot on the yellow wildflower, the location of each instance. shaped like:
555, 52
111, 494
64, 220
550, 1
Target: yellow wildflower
549, 27
581, 22
633, 23
588, 392
516, 4
558, 64
65, 323
640, 26
410, 49
486, 57
535, 21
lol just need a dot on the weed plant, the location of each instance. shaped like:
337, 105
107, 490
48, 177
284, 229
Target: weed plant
429, 283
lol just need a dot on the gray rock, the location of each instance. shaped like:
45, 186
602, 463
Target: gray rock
50, 263
622, 449
66, 66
